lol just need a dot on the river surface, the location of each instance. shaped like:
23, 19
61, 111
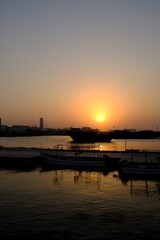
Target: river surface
52, 141
71, 204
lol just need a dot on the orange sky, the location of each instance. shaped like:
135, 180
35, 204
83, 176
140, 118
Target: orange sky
74, 62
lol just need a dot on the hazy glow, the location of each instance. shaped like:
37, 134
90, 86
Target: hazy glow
97, 108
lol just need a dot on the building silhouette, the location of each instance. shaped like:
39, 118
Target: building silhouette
41, 123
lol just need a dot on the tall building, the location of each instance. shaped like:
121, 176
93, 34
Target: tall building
41, 123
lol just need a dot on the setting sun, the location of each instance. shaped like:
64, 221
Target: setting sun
100, 118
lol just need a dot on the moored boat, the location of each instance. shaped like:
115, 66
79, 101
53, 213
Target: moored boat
142, 164
78, 158
141, 169
70, 161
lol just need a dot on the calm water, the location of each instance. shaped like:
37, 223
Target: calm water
77, 204
51, 141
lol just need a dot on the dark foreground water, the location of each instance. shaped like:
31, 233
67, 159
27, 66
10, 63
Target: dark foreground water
77, 204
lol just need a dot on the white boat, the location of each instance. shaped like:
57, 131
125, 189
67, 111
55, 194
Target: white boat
80, 157
143, 164
73, 161
141, 170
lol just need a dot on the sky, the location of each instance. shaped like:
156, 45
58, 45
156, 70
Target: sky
79, 63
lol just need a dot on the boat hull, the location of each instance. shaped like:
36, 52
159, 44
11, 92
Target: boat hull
89, 136
141, 171
140, 164
66, 161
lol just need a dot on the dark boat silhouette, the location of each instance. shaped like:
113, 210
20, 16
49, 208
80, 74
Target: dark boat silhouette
89, 135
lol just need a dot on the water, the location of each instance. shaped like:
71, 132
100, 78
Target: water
51, 141
77, 204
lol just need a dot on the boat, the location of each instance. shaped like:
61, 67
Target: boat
66, 161
89, 135
79, 157
141, 164
140, 169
